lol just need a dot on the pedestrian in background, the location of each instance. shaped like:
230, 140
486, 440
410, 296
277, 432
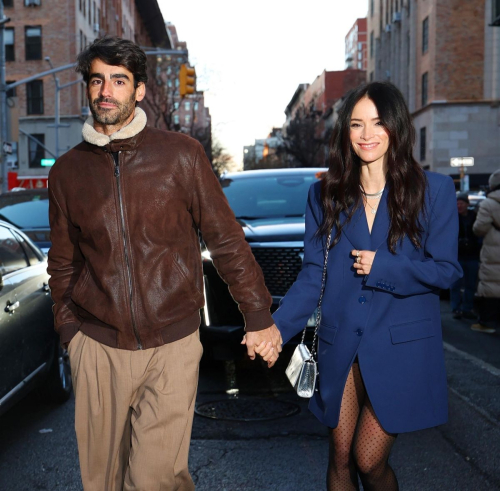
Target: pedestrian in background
487, 225
468, 256
394, 246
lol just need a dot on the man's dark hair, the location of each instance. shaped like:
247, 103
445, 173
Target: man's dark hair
115, 51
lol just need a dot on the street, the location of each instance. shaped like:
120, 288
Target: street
288, 452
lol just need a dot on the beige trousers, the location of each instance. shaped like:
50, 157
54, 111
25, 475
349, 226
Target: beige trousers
134, 413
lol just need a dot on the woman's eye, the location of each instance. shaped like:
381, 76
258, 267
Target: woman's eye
354, 125
379, 123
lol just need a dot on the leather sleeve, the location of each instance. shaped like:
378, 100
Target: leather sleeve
64, 267
230, 252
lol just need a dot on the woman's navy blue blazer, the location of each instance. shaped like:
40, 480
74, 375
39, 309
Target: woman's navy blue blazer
390, 319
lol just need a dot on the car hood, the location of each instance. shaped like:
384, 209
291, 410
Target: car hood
279, 229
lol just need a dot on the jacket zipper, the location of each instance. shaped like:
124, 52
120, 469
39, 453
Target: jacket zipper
127, 260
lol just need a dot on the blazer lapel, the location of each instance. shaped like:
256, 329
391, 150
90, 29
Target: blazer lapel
380, 228
357, 229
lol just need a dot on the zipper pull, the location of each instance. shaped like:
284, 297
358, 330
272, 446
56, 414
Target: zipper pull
117, 170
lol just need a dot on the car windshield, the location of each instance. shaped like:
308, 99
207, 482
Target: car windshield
268, 196
25, 214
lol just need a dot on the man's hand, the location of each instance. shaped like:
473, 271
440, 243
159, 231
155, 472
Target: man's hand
363, 261
266, 343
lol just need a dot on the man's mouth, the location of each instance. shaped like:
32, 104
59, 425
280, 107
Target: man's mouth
106, 105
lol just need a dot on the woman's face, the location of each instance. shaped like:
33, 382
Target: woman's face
369, 138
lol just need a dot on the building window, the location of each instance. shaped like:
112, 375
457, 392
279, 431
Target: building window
36, 151
80, 5
8, 3
176, 119
9, 44
496, 12
371, 76
195, 108
33, 36
11, 92
176, 105
31, 3
423, 143
425, 85
372, 7
425, 35
187, 119
34, 95
372, 42
187, 106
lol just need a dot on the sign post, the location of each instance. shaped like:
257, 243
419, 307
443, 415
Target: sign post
463, 162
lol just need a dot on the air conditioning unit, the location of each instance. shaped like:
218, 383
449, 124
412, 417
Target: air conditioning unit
396, 17
85, 112
96, 27
388, 28
32, 3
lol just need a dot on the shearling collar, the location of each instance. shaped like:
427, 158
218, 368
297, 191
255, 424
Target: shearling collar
90, 135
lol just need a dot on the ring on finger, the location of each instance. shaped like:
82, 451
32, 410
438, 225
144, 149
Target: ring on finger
358, 259
357, 253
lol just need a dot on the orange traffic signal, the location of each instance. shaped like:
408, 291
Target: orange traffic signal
187, 80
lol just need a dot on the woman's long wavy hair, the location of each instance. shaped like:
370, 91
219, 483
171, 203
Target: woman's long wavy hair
405, 179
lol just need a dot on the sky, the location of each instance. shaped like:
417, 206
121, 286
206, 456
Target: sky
251, 56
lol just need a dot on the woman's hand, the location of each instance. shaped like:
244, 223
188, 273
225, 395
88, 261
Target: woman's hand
363, 261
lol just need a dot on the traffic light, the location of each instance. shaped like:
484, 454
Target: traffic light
187, 80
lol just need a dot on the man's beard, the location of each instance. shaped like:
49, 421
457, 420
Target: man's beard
115, 116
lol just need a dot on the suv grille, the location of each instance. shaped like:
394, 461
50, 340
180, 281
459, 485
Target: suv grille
280, 266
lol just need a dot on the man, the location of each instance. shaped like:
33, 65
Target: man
468, 256
126, 206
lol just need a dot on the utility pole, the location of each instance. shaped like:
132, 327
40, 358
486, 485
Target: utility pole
3, 99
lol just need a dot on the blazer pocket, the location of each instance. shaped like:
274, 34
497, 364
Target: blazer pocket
327, 333
412, 331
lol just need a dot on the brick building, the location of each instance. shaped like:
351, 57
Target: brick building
356, 46
444, 57
59, 29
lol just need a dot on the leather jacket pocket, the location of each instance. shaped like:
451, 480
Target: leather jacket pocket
184, 271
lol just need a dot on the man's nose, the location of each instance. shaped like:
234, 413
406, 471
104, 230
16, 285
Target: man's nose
106, 88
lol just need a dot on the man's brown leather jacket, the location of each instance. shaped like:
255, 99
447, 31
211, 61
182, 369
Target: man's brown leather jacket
125, 260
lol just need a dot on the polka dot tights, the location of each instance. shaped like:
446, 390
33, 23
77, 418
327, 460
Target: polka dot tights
359, 445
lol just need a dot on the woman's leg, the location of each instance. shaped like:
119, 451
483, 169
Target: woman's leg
342, 475
372, 447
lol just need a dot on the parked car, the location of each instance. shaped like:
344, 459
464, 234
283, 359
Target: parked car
30, 354
270, 206
28, 210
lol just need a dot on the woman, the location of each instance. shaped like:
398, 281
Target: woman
394, 245
487, 225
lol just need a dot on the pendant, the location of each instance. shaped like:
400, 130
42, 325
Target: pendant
374, 211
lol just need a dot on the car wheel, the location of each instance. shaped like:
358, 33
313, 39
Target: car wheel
58, 385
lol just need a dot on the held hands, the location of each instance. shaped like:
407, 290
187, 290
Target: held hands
266, 343
363, 261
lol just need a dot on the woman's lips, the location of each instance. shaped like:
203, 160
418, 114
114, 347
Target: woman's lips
367, 146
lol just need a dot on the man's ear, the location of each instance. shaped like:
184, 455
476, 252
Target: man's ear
140, 92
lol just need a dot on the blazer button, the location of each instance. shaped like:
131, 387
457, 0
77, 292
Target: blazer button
362, 299
359, 332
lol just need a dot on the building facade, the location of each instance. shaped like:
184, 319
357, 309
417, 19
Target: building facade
50, 33
356, 46
444, 56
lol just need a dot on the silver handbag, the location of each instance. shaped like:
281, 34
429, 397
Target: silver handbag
302, 370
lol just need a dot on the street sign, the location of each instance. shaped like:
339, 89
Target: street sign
48, 162
462, 161
7, 148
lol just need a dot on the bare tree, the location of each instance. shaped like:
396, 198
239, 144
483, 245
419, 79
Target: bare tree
221, 160
306, 138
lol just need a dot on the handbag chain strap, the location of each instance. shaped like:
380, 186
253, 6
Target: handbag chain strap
320, 301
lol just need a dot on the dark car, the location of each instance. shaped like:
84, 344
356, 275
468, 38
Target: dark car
270, 206
30, 355
28, 210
